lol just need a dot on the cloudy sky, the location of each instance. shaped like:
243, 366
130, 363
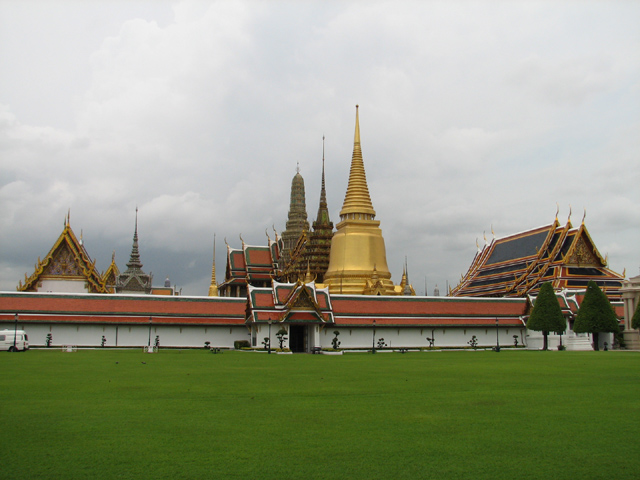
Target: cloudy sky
472, 115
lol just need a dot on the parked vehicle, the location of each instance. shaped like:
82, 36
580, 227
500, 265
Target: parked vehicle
14, 340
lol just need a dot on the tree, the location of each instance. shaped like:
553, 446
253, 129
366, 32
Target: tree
596, 314
635, 321
547, 315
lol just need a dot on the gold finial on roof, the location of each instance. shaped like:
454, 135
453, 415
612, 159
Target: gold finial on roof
492, 232
557, 210
569, 218
266, 232
584, 216
242, 240
213, 288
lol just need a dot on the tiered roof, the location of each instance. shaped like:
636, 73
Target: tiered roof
518, 265
251, 265
290, 302
67, 260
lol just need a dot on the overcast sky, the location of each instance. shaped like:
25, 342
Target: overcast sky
472, 115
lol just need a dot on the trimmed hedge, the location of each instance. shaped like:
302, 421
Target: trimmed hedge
239, 344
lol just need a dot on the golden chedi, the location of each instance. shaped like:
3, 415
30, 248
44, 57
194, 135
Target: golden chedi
358, 259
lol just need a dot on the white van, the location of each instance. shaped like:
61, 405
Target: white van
14, 340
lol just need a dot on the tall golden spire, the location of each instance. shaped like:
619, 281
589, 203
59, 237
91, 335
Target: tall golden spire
213, 288
358, 259
357, 199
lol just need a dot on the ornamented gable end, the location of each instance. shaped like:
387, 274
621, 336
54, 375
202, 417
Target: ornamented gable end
110, 276
67, 258
302, 300
583, 251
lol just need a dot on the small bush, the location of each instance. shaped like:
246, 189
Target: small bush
239, 344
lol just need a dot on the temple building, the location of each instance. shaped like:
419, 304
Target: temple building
358, 260
517, 265
69, 268
316, 285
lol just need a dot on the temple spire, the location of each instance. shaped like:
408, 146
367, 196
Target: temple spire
213, 288
357, 201
323, 209
134, 260
134, 279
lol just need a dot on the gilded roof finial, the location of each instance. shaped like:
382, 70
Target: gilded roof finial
557, 210
297, 167
213, 288
266, 232
569, 218
242, 240
69, 217
492, 232
584, 216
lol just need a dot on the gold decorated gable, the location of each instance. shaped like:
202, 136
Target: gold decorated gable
583, 252
302, 299
67, 259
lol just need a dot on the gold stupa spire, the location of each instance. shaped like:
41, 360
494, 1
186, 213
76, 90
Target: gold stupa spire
213, 288
358, 259
357, 200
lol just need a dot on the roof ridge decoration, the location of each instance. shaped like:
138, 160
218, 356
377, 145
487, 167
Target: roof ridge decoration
357, 199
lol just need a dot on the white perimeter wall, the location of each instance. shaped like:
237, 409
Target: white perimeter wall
417, 337
131, 335
398, 337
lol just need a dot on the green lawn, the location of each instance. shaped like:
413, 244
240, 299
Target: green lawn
445, 415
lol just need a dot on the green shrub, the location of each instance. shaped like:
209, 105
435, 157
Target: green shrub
239, 344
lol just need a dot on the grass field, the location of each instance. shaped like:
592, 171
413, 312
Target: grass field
446, 415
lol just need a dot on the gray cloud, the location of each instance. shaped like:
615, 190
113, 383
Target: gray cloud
473, 114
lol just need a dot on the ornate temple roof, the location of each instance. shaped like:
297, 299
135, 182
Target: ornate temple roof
110, 276
290, 302
67, 260
251, 265
518, 265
